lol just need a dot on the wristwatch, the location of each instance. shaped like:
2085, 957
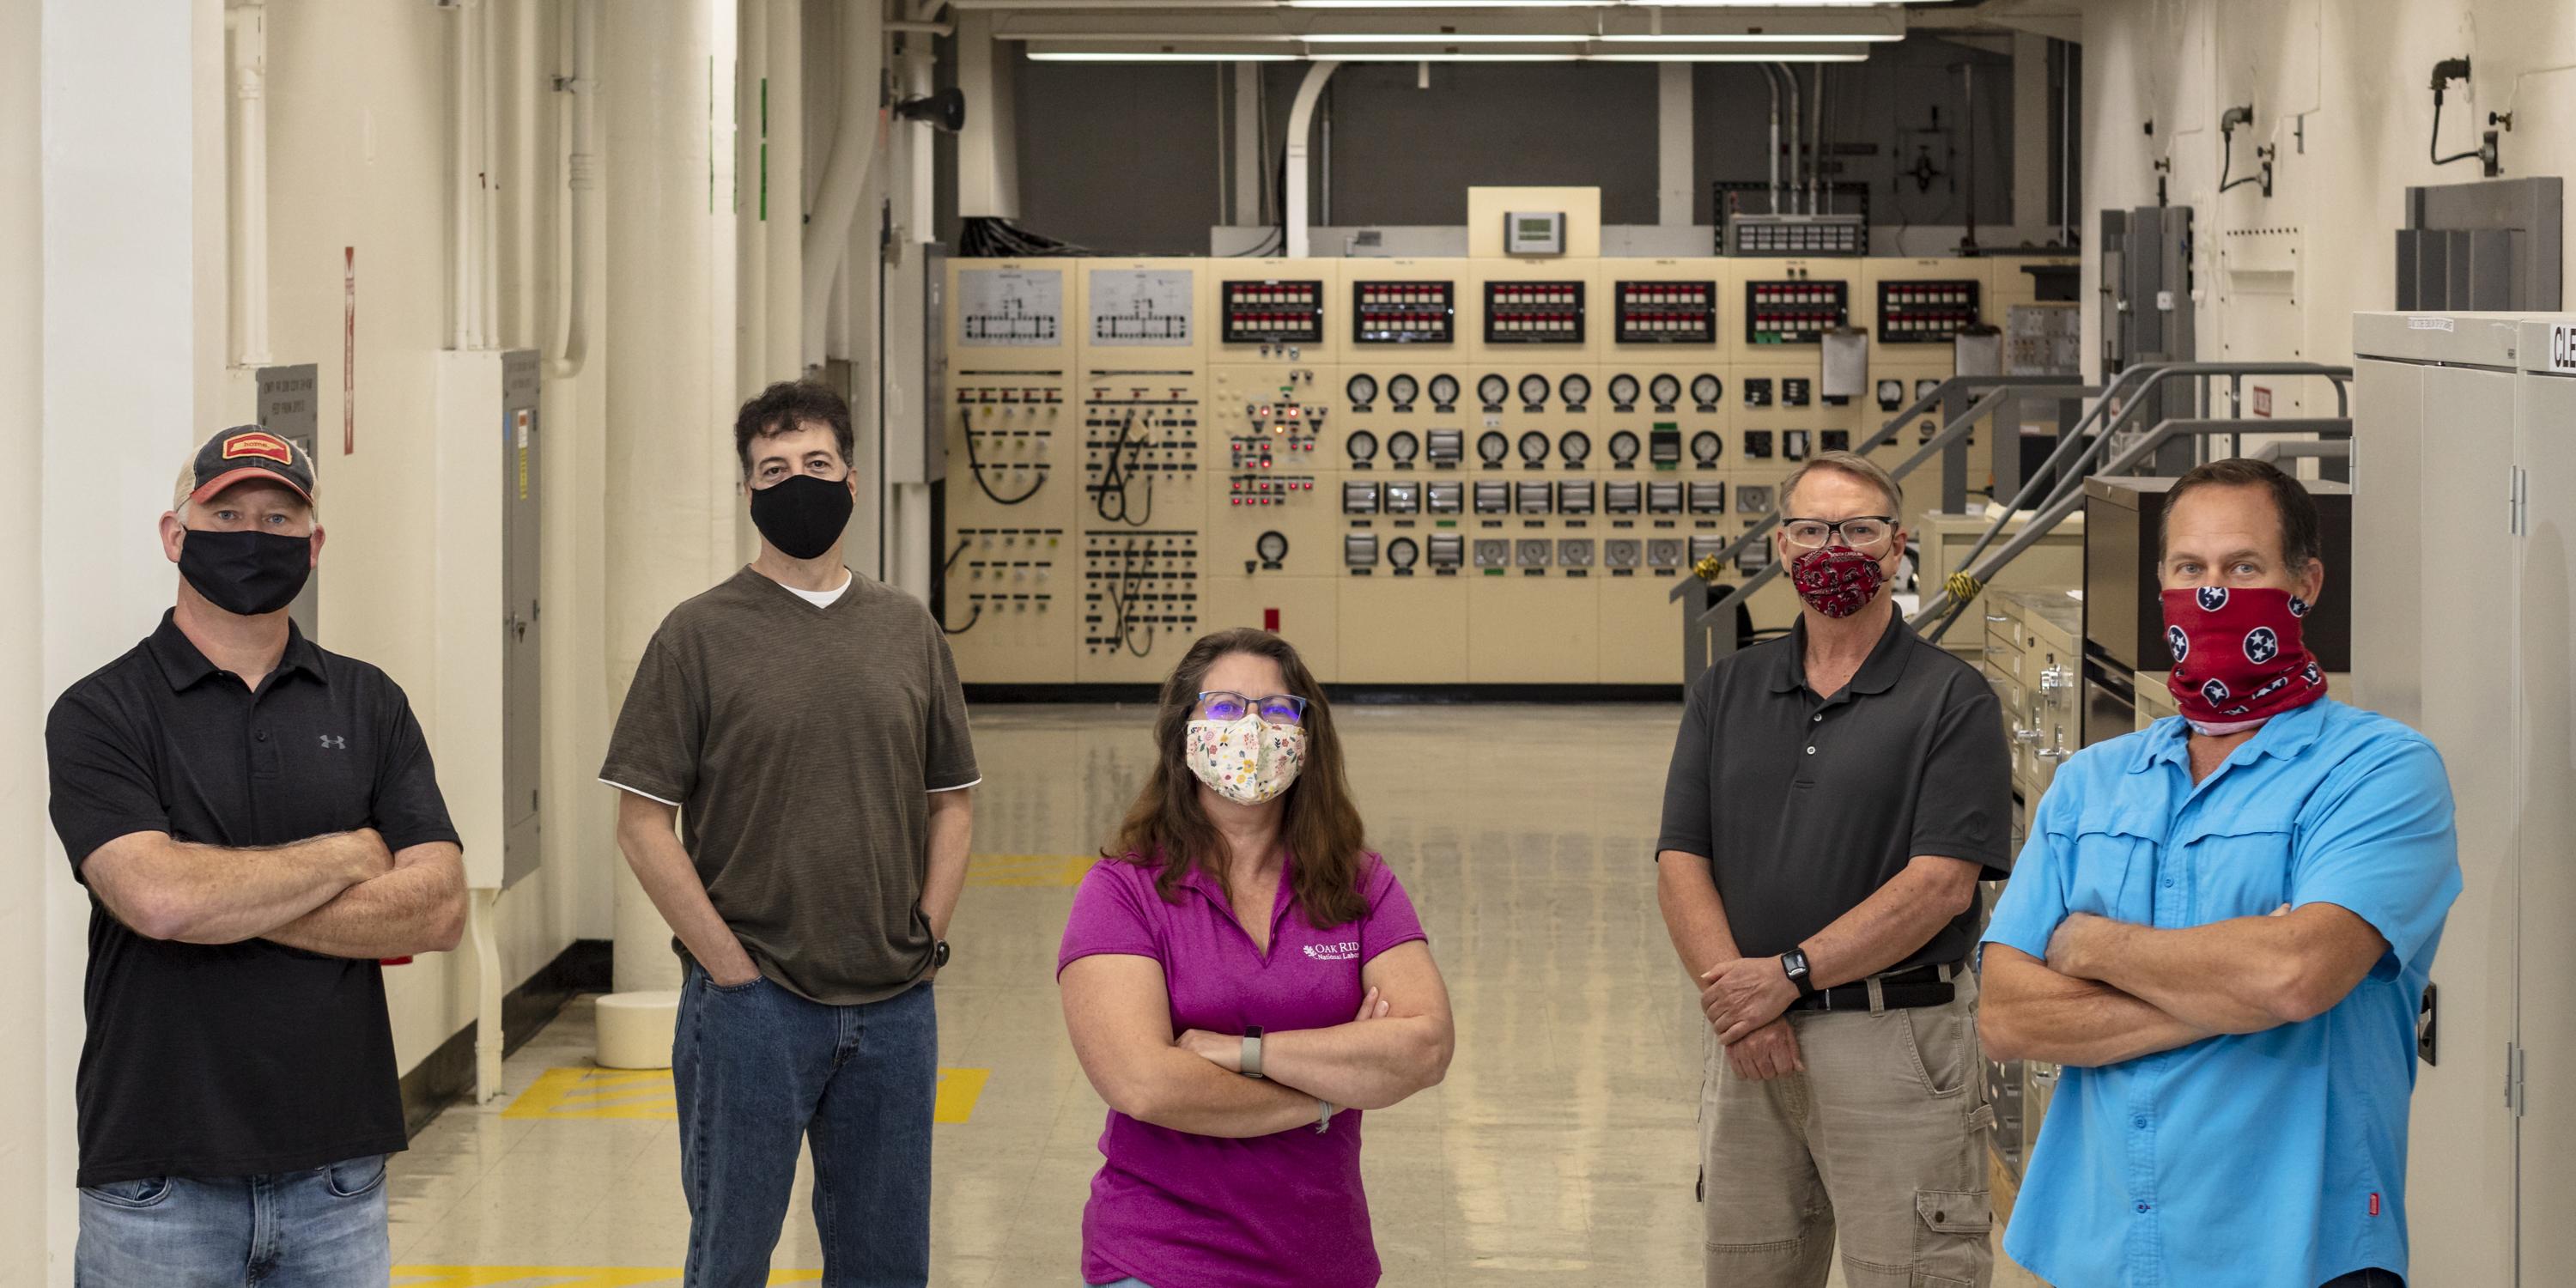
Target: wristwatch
1794, 961
939, 955
1251, 1060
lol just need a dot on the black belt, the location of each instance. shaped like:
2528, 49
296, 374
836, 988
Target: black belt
1904, 990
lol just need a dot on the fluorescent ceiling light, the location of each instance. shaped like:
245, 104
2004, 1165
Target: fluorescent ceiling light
1105, 56
1750, 38
1437, 38
1682, 57
1446, 4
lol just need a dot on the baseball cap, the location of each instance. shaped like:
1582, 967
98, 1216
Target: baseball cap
247, 451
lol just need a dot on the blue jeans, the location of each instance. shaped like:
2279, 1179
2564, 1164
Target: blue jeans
760, 1070
319, 1229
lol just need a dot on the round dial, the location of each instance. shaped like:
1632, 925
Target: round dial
1271, 546
1400, 390
1403, 552
1623, 390
1623, 446
1492, 390
1533, 390
1705, 446
1705, 390
1402, 447
1666, 390
1362, 389
1574, 446
1492, 447
1576, 390
1362, 446
1533, 447
1444, 390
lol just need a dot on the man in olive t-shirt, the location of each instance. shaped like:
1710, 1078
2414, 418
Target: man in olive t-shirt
807, 727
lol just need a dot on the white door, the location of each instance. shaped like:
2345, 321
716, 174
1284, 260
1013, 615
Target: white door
2545, 445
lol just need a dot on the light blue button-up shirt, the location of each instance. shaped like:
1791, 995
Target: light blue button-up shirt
2268, 1160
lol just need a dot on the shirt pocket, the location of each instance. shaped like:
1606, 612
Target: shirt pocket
2111, 858
2240, 863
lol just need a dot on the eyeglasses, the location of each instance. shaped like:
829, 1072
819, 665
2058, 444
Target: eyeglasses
1858, 532
1278, 708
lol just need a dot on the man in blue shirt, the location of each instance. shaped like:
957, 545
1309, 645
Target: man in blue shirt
2221, 927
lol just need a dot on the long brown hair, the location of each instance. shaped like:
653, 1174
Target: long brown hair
1167, 826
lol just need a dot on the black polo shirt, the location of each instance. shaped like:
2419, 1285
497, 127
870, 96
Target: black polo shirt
248, 1058
1805, 806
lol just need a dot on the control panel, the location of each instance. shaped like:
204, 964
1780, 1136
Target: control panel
1534, 313
1794, 312
1925, 312
1272, 312
1403, 312
1667, 312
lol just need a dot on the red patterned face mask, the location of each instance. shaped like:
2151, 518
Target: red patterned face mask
1837, 581
2238, 656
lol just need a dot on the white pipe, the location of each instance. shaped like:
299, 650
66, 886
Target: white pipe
528, 320
249, 23
1815, 138
488, 1024
857, 144
581, 179
487, 254
1301, 118
785, 333
1797, 139
751, 230
461, 185
1772, 75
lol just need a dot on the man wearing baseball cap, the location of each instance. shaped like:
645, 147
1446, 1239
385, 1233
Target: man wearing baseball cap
257, 822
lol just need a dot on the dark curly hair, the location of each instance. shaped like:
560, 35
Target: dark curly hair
783, 407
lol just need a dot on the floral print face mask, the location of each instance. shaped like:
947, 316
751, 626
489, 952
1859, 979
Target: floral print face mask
1247, 761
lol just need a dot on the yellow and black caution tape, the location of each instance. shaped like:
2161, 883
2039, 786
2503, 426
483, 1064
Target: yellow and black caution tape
1708, 569
1962, 588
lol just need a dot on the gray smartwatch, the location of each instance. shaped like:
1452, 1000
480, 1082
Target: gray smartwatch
1251, 1060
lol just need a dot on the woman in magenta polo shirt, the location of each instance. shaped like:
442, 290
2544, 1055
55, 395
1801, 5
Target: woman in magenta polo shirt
1242, 977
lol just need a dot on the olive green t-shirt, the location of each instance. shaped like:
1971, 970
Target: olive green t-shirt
802, 745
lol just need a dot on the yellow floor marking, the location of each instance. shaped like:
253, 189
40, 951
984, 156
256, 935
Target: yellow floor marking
647, 1094
1059, 870
560, 1276
959, 1089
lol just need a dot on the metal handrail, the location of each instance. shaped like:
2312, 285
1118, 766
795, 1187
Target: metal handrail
1887, 433
1943, 607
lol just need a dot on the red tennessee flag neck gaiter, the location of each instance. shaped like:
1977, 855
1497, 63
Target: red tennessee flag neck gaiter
2239, 659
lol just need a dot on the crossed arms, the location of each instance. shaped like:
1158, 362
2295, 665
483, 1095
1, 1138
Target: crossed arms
340, 895
1118, 1009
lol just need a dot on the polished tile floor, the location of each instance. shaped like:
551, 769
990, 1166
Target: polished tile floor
1560, 1151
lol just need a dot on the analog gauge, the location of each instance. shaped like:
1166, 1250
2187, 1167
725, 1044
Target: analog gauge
1362, 389
1533, 447
1402, 447
1576, 390
1923, 389
1623, 390
1666, 390
1705, 390
1705, 446
1362, 446
1623, 446
1400, 390
1492, 390
1403, 552
1574, 446
1444, 390
1533, 390
1492, 447
1272, 547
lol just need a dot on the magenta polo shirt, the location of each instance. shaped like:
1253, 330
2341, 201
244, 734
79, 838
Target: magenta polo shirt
1183, 1211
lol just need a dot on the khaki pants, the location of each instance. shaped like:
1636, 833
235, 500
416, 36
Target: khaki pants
1882, 1141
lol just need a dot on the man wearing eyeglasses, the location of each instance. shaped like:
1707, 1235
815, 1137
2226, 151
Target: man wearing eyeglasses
1835, 796
811, 725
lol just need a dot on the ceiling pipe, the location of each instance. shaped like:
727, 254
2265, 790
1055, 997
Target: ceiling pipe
858, 145
1797, 127
460, 101
1301, 119
1815, 138
1771, 76
580, 167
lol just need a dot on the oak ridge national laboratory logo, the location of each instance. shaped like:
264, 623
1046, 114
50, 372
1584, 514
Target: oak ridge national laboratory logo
1346, 950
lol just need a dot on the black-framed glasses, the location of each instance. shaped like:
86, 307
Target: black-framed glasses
1859, 532
1278, 708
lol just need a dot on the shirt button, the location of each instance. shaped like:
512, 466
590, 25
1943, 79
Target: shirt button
2168, 883
2142, 1207
1811, 751
2140, 1123
263, 735
1820, 717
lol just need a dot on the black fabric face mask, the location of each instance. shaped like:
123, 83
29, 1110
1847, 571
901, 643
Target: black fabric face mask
803, 516
246, 573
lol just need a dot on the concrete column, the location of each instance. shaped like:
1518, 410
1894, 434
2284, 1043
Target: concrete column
1673, 146
988, 152
666, 94
2030, 136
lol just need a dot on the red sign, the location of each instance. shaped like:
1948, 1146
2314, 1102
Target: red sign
2262, 401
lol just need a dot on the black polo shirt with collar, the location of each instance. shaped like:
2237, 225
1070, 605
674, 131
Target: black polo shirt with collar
1804, 806
247, 1058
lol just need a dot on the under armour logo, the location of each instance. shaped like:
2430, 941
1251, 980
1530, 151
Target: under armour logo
334, 743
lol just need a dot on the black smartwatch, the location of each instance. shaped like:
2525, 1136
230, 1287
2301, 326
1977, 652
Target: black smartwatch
939, 955
1794, 961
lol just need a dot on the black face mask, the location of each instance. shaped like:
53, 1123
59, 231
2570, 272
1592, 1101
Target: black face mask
803, 516
246, 573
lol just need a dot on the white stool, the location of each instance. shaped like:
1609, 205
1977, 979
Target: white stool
635, 1029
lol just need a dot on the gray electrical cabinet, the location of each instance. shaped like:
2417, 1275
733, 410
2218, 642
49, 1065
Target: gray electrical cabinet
285, 407
2491, 245
2147, 280
2464, 533
522, 759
